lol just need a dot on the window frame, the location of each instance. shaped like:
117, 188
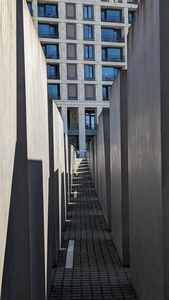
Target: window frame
92, 12
72, 58
55, 76
88, 51
90, 67
68, 17
69, 77
52, 56
72, 98
67, 37
94, 92
55, 26
92, 32
58, 88
44, 5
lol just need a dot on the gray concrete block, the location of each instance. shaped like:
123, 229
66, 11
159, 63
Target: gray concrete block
119, 167
148, 89
103, 168
7, 129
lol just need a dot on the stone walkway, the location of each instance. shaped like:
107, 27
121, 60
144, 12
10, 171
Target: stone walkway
97, 272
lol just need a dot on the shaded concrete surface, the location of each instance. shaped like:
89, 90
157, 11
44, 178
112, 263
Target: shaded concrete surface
148, 131
8, 132
97, 272
103, 164
119, 166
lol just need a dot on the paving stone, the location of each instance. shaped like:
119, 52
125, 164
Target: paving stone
97, 272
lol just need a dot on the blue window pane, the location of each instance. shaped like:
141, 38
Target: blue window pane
89, 74
88, 52
112, 54
88, 12
52, 71
88, 32
111, 35
109, 73
47, 10
53, 91
51, 51
46, 30
51, 10
111, 15
130, 16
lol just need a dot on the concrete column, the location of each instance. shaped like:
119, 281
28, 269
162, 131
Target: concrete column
119, 166
148, 108
82, 136
35, 8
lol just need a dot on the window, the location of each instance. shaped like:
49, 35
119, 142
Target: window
112, 54
71, 51
30, 7
88, 12
72, 91
111, 35
48, 30
130, 16
48, 10
90, 92
109, 73
105, 92
89, 72
71, 71
71, 31
88, 52
54, 91
53, 71
111, 15
51, 51
70, 11
88, 32
90, 120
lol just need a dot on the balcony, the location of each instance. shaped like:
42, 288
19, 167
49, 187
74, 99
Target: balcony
53, 76
47, 15
53, 96
113, 19
52, 55
73, 129
44, 34
133, 1
91, 130
48, 10
109, 73
118, 39
113, 58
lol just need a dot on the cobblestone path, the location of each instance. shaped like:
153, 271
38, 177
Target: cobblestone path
97, 272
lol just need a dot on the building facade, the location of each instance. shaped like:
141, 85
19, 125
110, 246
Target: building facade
85, 44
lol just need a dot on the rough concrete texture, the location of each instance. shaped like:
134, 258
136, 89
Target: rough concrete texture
8, 117
57, 182
67, 169
37, 153
59, 166
148, 106
28, 178
119, 167
103, 169
92, 160
71, 163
